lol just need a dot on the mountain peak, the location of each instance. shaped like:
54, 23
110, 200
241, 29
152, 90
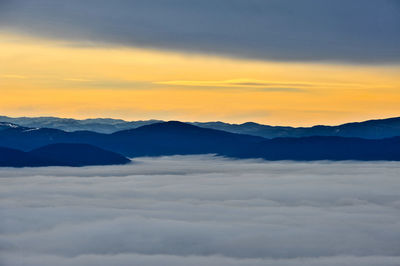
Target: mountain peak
170, 125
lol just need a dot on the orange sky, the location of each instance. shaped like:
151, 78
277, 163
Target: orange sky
40, 77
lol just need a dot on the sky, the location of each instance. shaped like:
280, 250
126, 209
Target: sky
276, 62
202, 210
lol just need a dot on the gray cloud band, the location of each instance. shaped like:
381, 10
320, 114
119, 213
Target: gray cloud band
356, 31
199, 210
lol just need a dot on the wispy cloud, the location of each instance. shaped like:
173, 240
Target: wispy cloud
240, 83
232, 82
78, 80
10, 76
245, 84
107, 83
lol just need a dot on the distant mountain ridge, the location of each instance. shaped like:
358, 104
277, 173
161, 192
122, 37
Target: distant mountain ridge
371, 129
100, 125
177, 138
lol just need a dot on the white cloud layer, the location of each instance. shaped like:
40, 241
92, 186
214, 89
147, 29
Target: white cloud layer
202, 210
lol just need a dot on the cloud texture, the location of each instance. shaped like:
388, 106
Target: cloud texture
202, 210
361, 31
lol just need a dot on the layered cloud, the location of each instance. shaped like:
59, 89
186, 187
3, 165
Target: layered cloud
202, 210
362, 31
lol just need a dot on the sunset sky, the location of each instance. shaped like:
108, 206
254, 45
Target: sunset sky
283, 62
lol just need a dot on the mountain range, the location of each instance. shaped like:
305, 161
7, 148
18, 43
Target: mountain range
165, 138
371, 129
177, 138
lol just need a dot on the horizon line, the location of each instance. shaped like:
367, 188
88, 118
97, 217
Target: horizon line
212, 121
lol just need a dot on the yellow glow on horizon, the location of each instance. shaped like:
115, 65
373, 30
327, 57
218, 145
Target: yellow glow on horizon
43, 77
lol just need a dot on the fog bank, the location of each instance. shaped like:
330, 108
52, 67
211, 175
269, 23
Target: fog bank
202, 210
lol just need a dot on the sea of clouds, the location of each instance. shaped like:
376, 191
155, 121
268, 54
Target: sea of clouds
202, 210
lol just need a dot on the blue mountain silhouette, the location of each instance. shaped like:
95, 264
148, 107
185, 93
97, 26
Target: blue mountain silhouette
61, 154
371, 129
172, 138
